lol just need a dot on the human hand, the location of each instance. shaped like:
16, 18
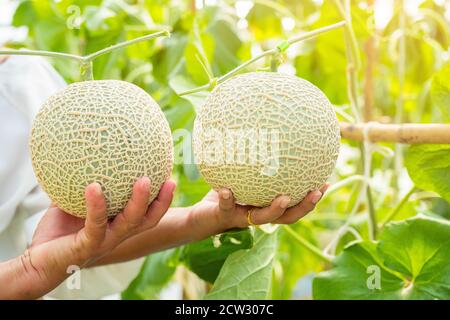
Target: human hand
222, 206
62, 240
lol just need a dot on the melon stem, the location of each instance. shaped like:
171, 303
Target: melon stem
85, 61
86, 70
101, 52
51, 54
270, 52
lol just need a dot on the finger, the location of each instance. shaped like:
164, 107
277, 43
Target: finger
324, 188
133, 214
212, 196
160, 205
96, 218
297, 212
226, 200
271, 213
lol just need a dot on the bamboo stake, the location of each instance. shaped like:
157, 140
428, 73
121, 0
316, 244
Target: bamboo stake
408, 133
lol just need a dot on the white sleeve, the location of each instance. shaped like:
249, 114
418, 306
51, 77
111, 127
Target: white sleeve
25, 84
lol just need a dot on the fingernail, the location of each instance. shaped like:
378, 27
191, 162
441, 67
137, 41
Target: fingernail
225, 193
145, 181
172, 187
315, 197
284, 202
97, 188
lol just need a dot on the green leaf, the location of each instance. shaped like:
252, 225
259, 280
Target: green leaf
25, 14
294, 260
411, 261
206, 257
440, 91
180, 84
419, 249
247, 274
264, 22
348, 279
100, 20
199, 50
190, 192
227, 49
155, 273
429, 168
169, 59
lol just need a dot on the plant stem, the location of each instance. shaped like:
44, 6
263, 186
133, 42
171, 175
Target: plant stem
398, 150
305, 36
86, 70
94, 55
342, 183
305, 243
370, 51
349, 33
397, 208
314, 33
373, 226
41, 53
85, 61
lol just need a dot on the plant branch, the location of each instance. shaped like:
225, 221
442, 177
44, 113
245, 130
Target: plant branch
281, 48
96, 54
308, 245
85, 61
370, 51
41, 53
342, 183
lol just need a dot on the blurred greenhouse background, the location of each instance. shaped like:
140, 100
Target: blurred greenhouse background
222, 34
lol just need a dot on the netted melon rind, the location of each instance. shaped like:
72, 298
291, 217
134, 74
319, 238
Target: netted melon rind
111, 132
307, 127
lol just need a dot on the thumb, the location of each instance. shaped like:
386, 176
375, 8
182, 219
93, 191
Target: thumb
226, 200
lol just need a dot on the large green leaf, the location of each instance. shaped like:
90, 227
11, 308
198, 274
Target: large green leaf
247, 274
206, 257
429, 168
155, 273
419, 249
440, 91
293, 261
411, 261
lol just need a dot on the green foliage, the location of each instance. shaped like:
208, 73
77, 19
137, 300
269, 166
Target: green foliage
411, 261
440, 91
155, 273
429, 168
293, 261
206, 257
246, 274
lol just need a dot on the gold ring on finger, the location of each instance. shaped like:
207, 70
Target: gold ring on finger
249, 217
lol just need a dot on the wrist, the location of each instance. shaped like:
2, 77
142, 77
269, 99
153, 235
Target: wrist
208, 221
230, 220
22, 282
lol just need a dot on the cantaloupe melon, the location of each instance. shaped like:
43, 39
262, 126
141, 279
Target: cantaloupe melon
266, 134
110, 132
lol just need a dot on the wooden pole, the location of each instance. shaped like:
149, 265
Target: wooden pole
408, 133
